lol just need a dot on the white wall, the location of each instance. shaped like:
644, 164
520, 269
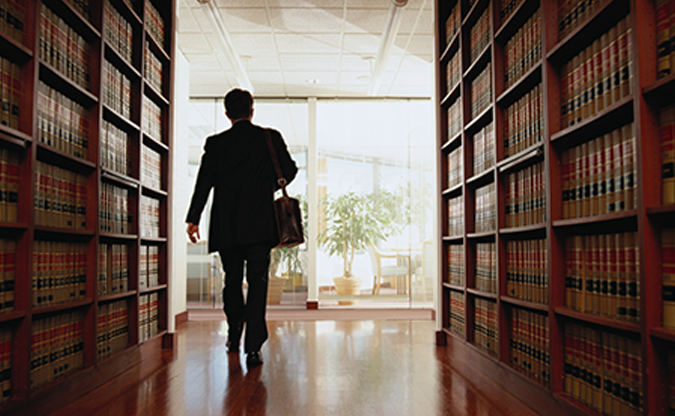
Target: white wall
180, 189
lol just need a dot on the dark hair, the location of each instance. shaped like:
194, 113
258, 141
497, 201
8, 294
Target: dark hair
238, 103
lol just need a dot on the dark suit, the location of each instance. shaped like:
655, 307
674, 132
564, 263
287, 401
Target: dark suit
237, 164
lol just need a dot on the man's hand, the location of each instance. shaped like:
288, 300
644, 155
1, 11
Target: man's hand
193, 232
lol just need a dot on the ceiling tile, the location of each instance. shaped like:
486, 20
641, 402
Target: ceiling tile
262, 63
305, 3
307, 20
253, 44
417, 45
355, 78
308, 43
356, 63
193, 43
301, 77
319, 62
270, 90
202, 20
368, 4
365, 21
187, 22
239, 3
245, 20
361, 44
265, 77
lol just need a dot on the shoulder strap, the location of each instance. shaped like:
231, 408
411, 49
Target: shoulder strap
273, 154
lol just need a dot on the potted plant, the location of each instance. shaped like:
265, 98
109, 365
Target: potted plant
353, 221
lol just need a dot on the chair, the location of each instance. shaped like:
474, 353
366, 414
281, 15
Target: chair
384, 269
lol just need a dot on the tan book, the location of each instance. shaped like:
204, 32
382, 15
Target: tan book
628, 166
589, 283
585, 180
5, 74
608, 175
619, 197
604, 274
12, 186
577, 71
621, 276
606, 72
564, 95
598, 99
15, 76
613, 277
668, 276
623, 32
613, 82
667, 127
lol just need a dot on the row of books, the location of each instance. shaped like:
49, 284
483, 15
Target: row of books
485, 326
524, 122
7, 274
10, 77
456, 216
486, 267
529, 344
457, 312
112, 328
485, 219
152, 119
115, 148
484, 149
455, 164
523, 50
506, 7
453, 71
149, 225
9, 185
61, 122
148, 316
60, 197
59, 272
574, 12
602, 275
667, 129
5, 364
116, 90
671, 381
525, 196
453, 23
114, 210
481, 91
456, 270
57, 346
479, 35
527, 270
113, 269
82, 7
154, 23
12, 18
668, 276
599, 176
118, 31
151, 168
455, 118
148, 274
153, 69
63, 48
598, 76
665, 37
603, 370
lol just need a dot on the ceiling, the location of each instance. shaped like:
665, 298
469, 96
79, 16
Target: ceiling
307, 48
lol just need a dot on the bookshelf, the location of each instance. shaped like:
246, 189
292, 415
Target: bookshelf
85, 116
582, 318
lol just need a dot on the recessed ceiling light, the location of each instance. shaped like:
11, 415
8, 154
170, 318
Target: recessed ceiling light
313, 81
364, 78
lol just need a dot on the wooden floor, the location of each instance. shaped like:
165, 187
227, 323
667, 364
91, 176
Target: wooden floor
311, 368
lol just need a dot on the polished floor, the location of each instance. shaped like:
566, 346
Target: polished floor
311, 368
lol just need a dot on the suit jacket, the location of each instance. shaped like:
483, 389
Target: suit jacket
237, 164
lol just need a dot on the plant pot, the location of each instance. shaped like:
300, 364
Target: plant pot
347, 286
275, 289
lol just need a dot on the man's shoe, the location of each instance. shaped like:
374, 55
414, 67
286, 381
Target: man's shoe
234, 337
253, 359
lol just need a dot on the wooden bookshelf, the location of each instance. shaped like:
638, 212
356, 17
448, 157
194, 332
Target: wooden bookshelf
66, 105
570, 38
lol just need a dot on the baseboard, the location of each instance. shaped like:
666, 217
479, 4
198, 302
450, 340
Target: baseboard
181, 318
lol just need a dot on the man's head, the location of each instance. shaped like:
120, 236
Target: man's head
238, 104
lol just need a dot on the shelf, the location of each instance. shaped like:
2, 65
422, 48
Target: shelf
602, 20
511, 25
116, 296
157, 336
474, 13
598, 320
156, 193
530, 155
481, 294
451, 47
661, 210
481, 178
155, 240
119, 179
65, 160
124, 66
541, 307
118, 237
13, 50
485, 234
55, 232
62, 307
479, 63
663, 334
128, 12
152, 142
616, 115
14, 137
155, 95
525, 83
453, 239
119, 120
454, 142
454, 191
152, 289
13, 227
453, 287
74, 19
55, 79
661, 92
623, 216
523, 230
452, 95
481, 120
11, 316
157, 48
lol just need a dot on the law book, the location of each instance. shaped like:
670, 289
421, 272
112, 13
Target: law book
5, 116
621, 276
668, 276
628, 166
101, 331
663, 37
667, 132
619, 197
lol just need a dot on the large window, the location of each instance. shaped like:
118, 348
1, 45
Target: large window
376, 154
